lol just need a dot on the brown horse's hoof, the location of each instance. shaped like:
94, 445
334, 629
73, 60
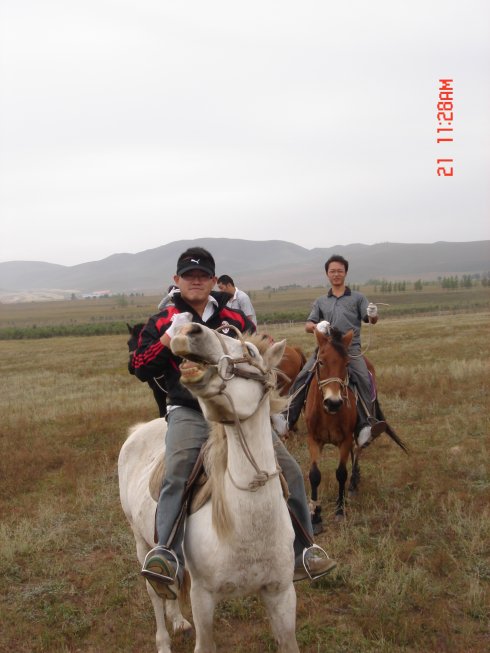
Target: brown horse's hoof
340, 517
317, 528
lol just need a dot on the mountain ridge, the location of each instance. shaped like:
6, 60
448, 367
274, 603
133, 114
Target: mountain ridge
252, 264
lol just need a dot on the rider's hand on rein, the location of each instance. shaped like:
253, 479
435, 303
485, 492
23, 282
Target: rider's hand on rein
323, 327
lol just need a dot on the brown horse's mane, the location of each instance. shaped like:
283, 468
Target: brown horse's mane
261, 340
336, 339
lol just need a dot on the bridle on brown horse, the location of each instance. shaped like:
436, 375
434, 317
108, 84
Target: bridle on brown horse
344, 383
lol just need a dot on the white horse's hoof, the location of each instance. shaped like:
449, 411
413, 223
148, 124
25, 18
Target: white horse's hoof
185, 629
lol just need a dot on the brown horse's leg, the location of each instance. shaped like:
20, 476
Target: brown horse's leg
315, 477
341, 474
355, 477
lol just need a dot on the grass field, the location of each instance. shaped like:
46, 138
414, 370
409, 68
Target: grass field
414, 552
109, 315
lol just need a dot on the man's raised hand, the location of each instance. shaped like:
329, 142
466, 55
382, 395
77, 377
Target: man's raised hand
178, 321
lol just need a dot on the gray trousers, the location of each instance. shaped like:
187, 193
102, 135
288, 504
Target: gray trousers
187, 431
359, 375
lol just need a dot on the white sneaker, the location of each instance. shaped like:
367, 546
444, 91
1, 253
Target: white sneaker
368, 433
364, 437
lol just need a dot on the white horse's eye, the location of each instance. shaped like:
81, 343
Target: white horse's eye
251, 351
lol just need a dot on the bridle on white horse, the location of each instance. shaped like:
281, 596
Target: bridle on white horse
226, 369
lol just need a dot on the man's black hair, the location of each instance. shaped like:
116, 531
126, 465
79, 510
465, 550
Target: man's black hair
226, 279
336, 258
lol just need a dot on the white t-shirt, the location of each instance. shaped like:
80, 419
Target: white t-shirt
242, 301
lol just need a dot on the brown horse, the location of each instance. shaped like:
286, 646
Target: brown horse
331, 416
290, 366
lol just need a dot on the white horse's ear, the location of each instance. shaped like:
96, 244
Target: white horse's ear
273, 355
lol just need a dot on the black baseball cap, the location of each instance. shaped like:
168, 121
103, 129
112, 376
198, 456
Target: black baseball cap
196, 259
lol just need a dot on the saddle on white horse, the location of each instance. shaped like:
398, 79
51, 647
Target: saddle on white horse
198, 488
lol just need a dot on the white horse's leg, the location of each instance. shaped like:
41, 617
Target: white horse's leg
176, 618
282, 613
203, 604
162, 637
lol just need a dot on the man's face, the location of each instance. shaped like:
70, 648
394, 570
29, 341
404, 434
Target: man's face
336, 274
195, 286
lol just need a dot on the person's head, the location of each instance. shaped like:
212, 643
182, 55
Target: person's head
195, 275
336, 269
226, 283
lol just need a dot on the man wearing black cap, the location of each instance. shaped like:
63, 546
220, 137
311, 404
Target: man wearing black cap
187, 429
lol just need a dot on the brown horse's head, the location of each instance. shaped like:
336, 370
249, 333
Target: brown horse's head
331, 368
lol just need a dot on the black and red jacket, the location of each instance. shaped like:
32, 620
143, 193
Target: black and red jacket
152, 359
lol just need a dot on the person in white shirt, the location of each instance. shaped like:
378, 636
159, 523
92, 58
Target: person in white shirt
239, 298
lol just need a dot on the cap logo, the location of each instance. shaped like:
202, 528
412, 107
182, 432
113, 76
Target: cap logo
189, 262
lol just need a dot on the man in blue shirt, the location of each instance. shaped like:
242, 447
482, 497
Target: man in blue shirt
343, 309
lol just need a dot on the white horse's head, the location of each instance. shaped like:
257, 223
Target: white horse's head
216, 367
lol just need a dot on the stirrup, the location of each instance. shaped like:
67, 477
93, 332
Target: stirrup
329, 567
161, 583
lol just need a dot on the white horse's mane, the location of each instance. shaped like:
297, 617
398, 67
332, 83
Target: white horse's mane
216, 452
215, 456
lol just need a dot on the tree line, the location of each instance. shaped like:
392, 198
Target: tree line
448, 283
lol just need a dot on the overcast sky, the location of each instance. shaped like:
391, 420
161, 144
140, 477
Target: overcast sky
128, 124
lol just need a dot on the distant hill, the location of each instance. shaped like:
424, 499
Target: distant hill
252, 264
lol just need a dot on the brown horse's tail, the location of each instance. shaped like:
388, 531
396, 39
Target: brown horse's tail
389, 430
392, 434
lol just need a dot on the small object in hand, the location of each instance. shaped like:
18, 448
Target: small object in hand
323, 327
178, 321
372, 310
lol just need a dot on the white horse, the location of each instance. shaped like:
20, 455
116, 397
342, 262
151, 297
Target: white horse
139, 456
240, 542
